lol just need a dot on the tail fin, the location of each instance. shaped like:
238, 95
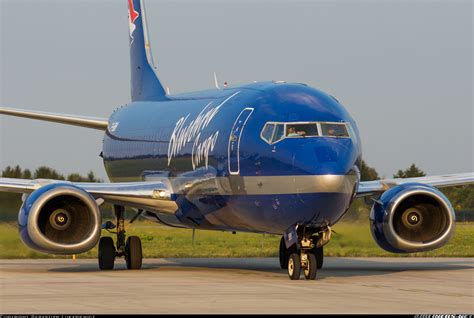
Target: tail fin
145, 84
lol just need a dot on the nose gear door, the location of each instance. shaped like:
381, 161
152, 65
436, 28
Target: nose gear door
234, 141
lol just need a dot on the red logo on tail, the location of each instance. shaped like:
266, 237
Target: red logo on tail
132, 15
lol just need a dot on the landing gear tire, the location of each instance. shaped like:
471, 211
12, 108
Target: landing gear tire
318, 252
106, 253
311, 267
133, 252
283, 254
294, 266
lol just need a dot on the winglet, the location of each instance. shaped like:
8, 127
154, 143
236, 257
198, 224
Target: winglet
145, 85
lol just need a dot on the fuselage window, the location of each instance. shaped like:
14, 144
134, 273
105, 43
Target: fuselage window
267, 132
301, 130
334, 130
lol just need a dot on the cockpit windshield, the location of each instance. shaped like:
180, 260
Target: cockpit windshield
301, 130
273, 132
334, 130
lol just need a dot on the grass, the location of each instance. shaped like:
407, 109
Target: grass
350, 239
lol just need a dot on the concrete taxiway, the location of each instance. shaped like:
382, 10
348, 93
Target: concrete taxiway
255, 285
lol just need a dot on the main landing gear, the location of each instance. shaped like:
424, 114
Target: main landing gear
131, 248
306, 255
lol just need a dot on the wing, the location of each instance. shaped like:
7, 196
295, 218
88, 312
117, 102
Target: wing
368, 188
81, 121
150, 195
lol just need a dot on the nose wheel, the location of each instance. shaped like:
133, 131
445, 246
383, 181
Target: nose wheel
306, 255
294, 266
284, 254
131, 249
310, 268
306, 262
318, 253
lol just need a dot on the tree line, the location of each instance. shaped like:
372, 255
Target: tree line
368, 173
44, 172
10, 203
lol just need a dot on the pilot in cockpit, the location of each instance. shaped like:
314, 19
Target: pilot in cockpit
291, 132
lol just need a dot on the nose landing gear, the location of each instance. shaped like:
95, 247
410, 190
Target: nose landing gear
306, 255
131, 249
305, 261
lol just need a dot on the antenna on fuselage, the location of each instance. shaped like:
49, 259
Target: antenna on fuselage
215, 81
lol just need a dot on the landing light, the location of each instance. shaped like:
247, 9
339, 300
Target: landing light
160, 194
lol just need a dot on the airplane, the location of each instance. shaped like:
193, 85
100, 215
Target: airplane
263, 157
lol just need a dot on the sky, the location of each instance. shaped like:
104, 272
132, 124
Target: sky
403, 69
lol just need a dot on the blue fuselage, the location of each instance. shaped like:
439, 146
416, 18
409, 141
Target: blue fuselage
224, 175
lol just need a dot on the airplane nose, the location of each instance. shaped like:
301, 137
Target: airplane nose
325, 156
329, 164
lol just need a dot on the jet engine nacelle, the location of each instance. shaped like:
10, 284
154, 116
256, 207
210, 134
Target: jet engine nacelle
60, 218
412, 218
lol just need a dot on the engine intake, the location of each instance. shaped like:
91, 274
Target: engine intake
60, 218
412, 218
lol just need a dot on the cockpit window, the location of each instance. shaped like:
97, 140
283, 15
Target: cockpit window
273, 132
334, 130
267, 132
301, 130
279, 132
